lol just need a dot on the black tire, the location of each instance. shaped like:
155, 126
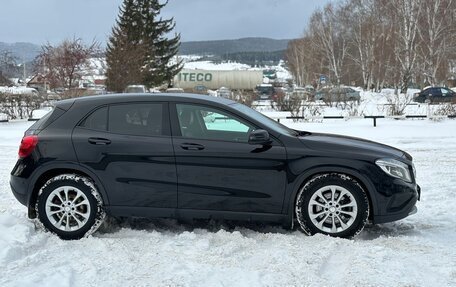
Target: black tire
341, 215
70, 206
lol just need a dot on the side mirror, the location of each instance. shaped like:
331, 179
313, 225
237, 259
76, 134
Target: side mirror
259, 137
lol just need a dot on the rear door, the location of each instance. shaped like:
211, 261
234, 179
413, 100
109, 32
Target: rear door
130, 148
436, 95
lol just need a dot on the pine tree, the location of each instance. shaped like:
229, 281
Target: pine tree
138, 51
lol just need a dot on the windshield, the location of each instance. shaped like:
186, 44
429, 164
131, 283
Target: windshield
276, 126
265, 89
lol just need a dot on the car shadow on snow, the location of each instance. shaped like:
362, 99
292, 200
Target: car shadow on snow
172, 226
393, 229
115, 224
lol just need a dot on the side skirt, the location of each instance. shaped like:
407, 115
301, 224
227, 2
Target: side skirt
186, 214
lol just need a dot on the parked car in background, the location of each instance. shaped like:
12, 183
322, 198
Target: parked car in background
435, 95
192, 156
174, 90
224, 93
307, 93
264, 91
135, 89
337, 94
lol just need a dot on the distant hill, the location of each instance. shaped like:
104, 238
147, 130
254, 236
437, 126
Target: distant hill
29, 51
22, 51
223, 47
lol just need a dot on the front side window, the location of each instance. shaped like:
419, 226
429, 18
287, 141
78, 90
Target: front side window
209, 123
445, 92
136, 119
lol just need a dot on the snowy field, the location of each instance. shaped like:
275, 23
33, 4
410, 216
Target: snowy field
417, 251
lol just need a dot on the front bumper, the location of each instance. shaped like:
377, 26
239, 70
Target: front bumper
398, 203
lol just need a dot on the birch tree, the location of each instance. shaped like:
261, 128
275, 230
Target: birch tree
302, 61
436, 31
328, 38
405, 15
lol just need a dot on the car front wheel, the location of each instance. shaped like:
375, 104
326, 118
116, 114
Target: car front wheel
332, 204
70, 206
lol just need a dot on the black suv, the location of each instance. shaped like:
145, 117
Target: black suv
191, 156
435, 95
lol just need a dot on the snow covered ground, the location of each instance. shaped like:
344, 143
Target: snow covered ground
416, 251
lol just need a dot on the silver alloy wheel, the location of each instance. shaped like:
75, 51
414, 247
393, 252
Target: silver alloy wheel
332, 209
67, 208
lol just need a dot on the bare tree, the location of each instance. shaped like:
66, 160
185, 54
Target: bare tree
302, 60
405, 15
364, 17
435, 32
295, 57
378, 43
329, 38
62, 64
8, 64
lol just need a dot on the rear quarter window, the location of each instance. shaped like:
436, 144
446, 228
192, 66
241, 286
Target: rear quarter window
97, 120
47, 119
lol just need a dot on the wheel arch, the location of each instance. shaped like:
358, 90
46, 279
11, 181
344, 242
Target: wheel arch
43, 175
302, 179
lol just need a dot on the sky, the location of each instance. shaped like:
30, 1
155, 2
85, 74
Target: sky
41, 21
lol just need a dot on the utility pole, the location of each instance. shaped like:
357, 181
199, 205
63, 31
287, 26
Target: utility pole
24, 76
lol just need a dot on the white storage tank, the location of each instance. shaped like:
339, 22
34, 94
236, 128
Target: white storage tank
233, 80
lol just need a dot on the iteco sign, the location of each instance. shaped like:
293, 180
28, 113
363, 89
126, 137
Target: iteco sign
194, 77
189, 79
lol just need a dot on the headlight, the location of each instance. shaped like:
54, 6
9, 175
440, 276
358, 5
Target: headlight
395, 168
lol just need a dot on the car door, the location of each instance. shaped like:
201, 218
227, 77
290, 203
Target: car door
131, 151
435, 95
217, 169
447, 95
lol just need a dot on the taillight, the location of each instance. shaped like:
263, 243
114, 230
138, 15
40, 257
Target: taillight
28, 144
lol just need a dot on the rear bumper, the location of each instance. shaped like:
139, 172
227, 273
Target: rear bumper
20, 179
19, 188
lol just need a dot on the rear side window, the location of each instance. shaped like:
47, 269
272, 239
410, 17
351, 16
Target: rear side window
136, 119
96, 120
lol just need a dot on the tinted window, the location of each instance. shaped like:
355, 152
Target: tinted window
445, 91
427, 91
136, 119
96, 120
209, 123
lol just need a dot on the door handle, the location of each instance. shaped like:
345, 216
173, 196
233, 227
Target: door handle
99, 141
192, 146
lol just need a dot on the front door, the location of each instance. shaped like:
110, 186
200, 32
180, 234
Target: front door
217, 169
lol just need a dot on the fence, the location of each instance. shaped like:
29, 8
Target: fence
374, 118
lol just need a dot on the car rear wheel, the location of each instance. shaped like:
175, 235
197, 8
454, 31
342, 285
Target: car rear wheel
70, 206
332, 204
